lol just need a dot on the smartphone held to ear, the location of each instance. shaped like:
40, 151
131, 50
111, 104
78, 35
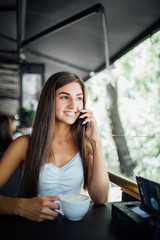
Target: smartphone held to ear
86, 125
83, 119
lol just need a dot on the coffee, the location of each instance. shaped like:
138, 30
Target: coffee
74, 197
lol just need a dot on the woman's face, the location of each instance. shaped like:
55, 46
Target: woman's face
69, 102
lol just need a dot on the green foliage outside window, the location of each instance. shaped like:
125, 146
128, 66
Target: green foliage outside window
137, 76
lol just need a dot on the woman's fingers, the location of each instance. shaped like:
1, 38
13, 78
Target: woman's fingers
92, 131
83, 111
48, 214
40, 208
87, 115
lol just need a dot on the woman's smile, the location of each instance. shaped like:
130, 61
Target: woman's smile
70, 113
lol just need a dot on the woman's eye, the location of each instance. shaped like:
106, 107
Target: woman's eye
64, 97
79, 98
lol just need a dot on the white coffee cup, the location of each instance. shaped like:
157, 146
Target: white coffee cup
73, 206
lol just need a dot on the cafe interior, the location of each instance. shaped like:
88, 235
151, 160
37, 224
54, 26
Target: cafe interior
39, 38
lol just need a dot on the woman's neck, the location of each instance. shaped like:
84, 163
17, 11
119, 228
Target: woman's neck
62, 133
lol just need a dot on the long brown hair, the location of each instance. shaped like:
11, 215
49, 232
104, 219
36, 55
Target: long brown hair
43, 132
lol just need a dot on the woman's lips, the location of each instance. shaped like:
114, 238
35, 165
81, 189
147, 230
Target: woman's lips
70, 113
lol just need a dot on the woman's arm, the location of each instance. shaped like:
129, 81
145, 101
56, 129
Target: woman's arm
36, 209
98, 180
12, 158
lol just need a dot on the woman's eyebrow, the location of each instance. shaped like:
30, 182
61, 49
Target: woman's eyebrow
64, 93
78, 94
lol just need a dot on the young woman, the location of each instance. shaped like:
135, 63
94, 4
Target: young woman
61, 154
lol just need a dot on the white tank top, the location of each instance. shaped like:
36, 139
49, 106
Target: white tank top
55, 181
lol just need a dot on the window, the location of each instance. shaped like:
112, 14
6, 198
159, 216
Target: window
135, 78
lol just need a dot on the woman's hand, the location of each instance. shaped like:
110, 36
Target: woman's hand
92, 131
38, 208
98, 181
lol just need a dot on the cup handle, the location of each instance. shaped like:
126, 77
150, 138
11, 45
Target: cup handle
60, 208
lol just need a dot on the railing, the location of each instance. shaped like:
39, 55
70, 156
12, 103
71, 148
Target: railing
127, 186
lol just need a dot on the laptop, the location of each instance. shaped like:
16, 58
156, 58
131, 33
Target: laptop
149, 194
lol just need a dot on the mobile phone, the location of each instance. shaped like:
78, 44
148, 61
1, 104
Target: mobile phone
86, 124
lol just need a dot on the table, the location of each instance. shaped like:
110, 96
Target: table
95, 226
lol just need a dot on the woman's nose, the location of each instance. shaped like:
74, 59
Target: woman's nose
72, 103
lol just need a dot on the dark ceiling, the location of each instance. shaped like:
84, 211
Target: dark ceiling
75, 37
81, 36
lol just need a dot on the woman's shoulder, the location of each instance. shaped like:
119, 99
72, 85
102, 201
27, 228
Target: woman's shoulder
21, 143
20, 146
24, 140
17, 150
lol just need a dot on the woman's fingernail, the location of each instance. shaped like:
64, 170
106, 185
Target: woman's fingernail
86, 122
